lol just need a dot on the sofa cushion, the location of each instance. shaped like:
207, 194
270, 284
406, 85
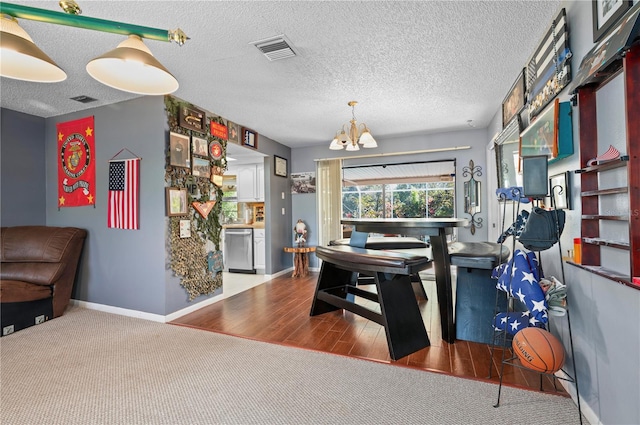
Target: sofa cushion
34, 273
35, 243
17, 291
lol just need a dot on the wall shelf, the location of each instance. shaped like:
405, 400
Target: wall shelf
601, 192
593, 217
604, 242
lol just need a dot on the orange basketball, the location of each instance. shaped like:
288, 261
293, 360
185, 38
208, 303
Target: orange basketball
539, 350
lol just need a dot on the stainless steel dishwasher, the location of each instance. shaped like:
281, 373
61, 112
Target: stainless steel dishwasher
239, 250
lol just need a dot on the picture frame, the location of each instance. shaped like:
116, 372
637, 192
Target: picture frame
199, 146
507, 148
549, 69
218, 128
541, 137
201, 167
280, 166
605, 13
535, 176
192, 118
176, 201
234, 132
302, 183
514, 102
560, 190
249, 138
179, 150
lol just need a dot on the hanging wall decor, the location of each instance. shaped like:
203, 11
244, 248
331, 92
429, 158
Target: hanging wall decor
549, 70
188, 257
192, 118
76, 163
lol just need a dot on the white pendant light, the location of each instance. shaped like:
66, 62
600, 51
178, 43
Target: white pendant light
21, 59
132, 67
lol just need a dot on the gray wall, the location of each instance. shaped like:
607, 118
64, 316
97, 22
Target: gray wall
122, 268
605, 316
22, 184
277, 229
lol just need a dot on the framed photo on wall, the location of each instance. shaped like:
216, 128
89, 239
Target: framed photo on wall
199, 146
541, 137
192, 118
560, 189
176, 201
201, 167
514, 102
249, 138
606, 13
179, 150
280, 166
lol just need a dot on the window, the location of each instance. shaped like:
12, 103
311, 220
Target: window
409, 190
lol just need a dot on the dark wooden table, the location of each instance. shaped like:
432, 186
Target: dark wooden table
437, 229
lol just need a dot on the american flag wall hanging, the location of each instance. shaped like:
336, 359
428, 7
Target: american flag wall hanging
124, 194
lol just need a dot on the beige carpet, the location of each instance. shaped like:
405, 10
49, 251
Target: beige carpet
90, 367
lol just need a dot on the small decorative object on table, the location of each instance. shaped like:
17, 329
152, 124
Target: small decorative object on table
301, 232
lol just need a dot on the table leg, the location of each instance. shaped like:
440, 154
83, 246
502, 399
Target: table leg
442, 264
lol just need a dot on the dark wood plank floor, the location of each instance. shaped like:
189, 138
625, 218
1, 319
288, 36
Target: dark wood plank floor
277, 311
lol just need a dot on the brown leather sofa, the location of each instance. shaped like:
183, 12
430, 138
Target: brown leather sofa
38, 267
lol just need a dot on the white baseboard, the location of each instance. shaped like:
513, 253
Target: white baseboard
587, 411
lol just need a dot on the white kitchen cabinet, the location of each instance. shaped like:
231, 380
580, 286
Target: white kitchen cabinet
259, 249
250, 180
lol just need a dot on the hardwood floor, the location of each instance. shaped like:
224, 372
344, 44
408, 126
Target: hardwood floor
277, 311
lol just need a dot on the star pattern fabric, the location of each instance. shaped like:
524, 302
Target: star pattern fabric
519, 278
515, 321
516, 228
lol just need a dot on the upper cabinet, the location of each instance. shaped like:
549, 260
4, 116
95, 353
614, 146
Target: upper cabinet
250, 180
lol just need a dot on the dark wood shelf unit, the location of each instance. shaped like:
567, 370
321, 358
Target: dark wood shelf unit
605, 242
601, 192
620, 162
629, 67
605, 217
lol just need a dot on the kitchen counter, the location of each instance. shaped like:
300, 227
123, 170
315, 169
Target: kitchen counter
243, 226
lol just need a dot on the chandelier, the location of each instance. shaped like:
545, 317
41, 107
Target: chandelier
354, 136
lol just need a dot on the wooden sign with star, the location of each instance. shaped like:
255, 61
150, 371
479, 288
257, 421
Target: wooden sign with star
204, 208
76, 163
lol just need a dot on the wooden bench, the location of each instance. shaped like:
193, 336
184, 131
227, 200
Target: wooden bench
394, 243
399, 312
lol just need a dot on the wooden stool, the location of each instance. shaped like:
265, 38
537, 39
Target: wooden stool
300, 259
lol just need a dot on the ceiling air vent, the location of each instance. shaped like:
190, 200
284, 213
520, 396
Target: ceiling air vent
83, 99
275, 48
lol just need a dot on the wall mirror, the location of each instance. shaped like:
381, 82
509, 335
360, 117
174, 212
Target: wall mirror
507, 147
472, 194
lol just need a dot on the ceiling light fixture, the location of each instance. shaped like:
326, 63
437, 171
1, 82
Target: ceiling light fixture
130, 67
354, 136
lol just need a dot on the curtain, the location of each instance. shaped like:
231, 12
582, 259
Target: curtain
329, 193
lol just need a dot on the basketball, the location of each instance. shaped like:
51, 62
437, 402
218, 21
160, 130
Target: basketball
539, 350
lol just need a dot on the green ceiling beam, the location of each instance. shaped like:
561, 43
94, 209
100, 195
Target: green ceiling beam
60, 18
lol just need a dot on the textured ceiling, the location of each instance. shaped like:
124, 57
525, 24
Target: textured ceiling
415, 67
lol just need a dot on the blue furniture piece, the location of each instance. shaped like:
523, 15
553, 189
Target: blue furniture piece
476, 289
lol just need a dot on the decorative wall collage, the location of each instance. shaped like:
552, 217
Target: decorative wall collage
196, 161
